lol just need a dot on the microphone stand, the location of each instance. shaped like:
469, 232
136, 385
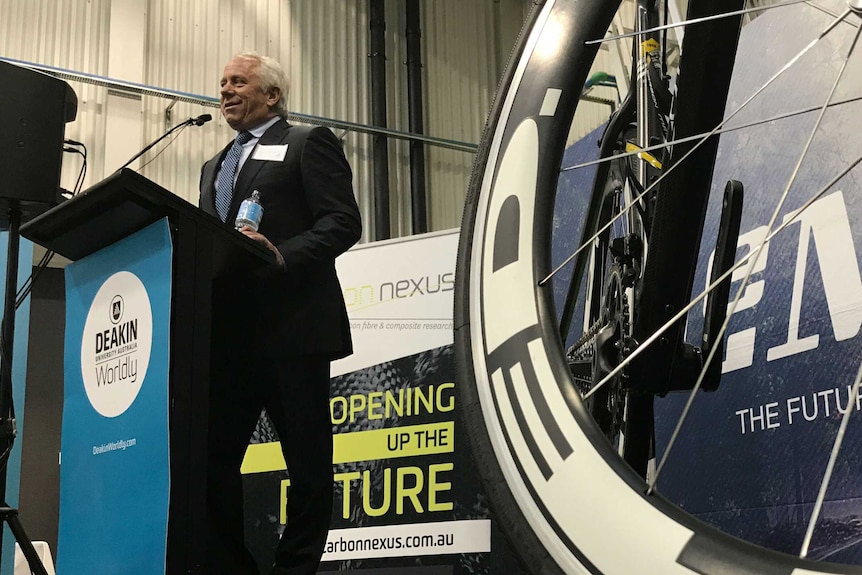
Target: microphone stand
199, 121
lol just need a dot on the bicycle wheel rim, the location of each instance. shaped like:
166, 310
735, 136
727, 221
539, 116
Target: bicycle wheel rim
544, 447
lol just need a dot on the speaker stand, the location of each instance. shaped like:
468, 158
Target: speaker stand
8, 429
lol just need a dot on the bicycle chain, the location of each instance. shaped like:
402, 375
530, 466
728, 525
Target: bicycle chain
583, 349
575, 351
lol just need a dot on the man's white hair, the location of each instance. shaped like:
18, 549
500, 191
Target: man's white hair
272, 75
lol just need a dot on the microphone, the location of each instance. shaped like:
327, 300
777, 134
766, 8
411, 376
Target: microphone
199, 121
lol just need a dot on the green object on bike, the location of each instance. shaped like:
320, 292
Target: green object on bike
599, 78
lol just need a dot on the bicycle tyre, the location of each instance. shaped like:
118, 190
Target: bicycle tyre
556, 487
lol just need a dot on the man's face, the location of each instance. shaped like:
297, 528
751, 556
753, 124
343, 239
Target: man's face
244, 104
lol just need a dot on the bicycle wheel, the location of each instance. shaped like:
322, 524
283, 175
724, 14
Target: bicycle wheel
556, 483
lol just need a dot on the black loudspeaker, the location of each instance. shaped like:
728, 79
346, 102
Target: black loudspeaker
34, 109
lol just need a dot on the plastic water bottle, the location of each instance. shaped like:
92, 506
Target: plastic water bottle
250, 212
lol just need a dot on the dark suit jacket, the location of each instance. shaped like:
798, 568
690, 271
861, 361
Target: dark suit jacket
311, 216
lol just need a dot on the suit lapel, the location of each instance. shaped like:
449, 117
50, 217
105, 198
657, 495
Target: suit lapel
275, 135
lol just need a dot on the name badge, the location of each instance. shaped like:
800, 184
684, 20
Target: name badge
270, 153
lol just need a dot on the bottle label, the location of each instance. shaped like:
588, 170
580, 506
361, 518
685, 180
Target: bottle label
250, 213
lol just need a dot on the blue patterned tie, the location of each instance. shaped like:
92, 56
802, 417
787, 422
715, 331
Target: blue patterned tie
224, 182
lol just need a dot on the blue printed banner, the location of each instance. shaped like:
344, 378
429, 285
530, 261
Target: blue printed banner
114, 474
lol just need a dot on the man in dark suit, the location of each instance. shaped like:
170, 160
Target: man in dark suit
275, 335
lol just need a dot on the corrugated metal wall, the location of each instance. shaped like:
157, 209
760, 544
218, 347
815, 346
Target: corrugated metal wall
460, 66
612, 58
71, 35
323, 44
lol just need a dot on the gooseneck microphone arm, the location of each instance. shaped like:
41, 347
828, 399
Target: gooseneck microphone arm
199, 121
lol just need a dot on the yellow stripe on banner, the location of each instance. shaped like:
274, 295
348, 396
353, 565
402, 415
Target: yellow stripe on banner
407, 441
262, 457
645, 156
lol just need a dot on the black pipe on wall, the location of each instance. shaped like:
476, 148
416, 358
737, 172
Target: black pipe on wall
415, 114
380, 146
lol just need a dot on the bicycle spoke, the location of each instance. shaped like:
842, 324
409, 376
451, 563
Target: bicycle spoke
726, 130
790, 218
694, 148
830, 466
751, 265
695, 21
826, 10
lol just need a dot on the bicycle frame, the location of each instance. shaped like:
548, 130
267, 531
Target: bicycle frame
665, 207
680, 200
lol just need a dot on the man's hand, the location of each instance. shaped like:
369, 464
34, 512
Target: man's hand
261, 239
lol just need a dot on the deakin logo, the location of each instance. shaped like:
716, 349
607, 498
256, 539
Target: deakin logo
116, 344
116, 309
